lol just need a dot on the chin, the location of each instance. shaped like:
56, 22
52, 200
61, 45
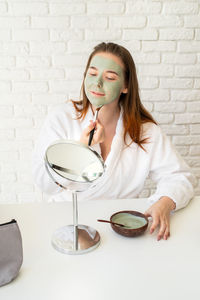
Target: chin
97, 103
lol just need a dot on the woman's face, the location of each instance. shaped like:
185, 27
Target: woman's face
104, 81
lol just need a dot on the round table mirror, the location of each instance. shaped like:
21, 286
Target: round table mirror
75, 167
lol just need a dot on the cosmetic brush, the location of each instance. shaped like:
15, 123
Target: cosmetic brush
114, 223
94, 120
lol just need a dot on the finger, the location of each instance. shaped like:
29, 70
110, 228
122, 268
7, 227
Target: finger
147, 214
154, 224
89, 128
99, 133
92, 124
166, 234
98, 124
162, 230
167, 231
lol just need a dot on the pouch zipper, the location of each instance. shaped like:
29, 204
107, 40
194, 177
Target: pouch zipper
12, 221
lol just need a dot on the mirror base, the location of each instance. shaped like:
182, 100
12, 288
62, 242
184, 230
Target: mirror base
63, 239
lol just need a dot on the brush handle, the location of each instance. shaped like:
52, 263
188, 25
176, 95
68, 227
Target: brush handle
106, 221
91, 136
93, 130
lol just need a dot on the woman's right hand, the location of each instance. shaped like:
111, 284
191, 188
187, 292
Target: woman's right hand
98, 136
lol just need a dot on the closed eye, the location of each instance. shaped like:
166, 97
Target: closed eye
109, 78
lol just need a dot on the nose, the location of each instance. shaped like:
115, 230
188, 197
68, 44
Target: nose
99, 82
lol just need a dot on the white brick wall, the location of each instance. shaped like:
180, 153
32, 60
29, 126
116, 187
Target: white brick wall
44, 46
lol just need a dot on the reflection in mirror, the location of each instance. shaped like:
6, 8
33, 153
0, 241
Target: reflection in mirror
74, 161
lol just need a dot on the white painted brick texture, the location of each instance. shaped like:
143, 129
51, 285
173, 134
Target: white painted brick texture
44, 46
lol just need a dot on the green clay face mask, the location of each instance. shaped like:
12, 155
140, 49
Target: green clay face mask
104, 80
129, 220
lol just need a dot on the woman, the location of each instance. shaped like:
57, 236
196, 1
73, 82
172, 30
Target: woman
128, 139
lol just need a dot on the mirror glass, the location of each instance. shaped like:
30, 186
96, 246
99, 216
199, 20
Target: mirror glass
74, 161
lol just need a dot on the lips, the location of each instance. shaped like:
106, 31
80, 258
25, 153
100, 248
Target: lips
97, 93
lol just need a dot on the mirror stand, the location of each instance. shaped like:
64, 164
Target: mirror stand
75, 239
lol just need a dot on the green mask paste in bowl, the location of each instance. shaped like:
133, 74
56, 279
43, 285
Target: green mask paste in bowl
135, 223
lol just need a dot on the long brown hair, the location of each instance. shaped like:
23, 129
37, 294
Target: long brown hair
134, 113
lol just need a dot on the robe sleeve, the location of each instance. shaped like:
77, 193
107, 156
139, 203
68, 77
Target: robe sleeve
51, 131
172, 175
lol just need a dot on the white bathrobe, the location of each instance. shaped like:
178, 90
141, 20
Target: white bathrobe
126, 167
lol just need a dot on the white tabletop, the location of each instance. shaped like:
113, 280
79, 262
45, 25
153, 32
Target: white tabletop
120, 268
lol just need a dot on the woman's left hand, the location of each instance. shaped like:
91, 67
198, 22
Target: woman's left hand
160, 213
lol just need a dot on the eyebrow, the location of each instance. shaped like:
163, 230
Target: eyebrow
109, 71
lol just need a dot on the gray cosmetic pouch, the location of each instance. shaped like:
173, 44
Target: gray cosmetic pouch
11, 252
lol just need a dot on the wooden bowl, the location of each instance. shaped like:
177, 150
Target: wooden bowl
136, 223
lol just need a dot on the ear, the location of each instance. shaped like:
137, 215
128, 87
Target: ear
125, 91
